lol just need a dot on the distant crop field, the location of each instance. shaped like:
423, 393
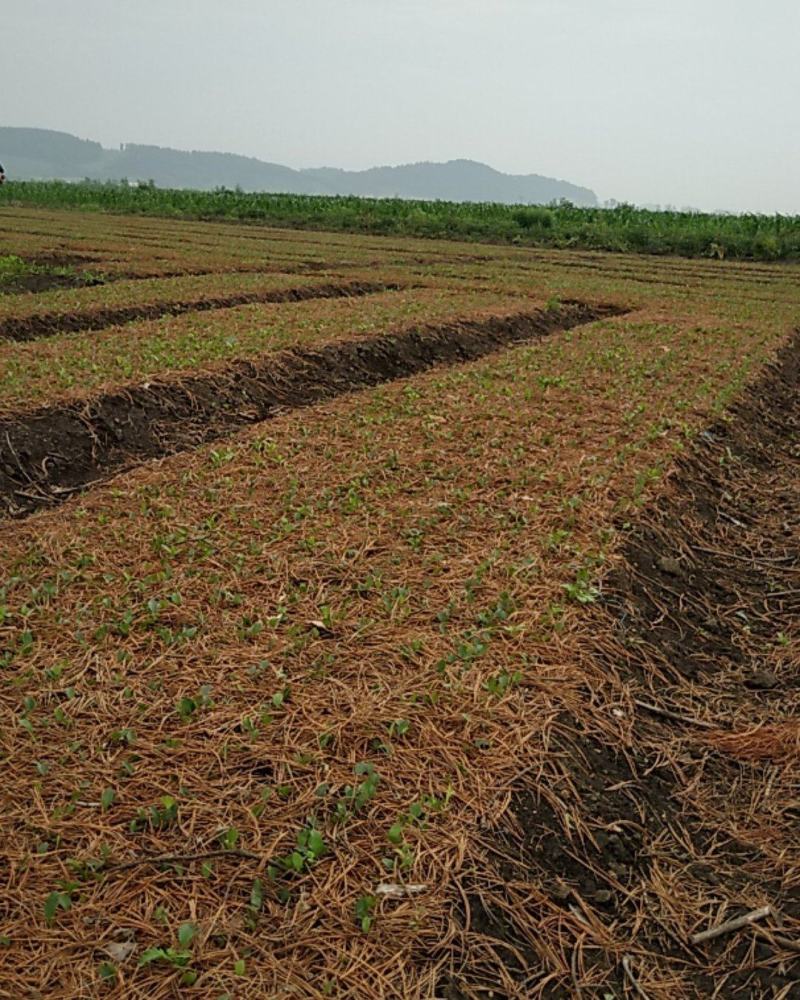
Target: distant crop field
391, 618
623, 229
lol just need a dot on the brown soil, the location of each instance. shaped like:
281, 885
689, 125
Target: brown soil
708, 580
44, 282
47, 275
24, 328
48, 454
62, 258
714, 566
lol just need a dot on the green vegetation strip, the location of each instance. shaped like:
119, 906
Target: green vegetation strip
36, 327
625, 228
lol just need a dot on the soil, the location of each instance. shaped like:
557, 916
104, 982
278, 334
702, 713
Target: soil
43, 281
50, 273
62, 258
49, 454
24, 328
709, 578
713, 569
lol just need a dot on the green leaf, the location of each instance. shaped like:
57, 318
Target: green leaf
108, 971
364, 909
229, 838
178, 958
186, 708
239, 967
107, 798
186, 933
399, 727
257, 894
51, 906
316, 843
152, 955
395, 834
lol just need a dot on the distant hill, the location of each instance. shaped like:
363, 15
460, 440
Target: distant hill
41, 154
456, 180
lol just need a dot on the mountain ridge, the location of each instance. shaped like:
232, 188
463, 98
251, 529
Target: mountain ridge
43, 154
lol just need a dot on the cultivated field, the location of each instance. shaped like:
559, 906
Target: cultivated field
390, 618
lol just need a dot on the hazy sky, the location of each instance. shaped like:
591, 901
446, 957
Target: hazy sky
690, 102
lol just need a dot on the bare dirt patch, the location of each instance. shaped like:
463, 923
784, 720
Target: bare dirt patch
44, 281
44, 272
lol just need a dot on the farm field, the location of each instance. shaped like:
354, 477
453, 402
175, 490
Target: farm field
430, 633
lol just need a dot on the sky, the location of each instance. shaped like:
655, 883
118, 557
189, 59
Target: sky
681, 102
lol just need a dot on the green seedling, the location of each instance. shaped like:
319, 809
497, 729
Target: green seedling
173, 956
62, 899
187, 706
310, 848
500, 683
126, 736
582, 590
158, 817
107, 972
257, 895
365, 912
355, 797
399, 727
498, 614
229, 838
